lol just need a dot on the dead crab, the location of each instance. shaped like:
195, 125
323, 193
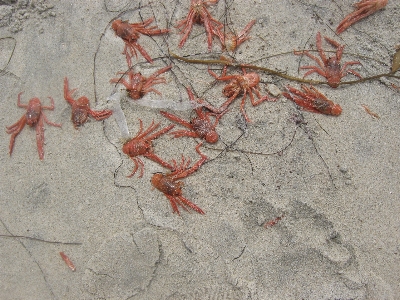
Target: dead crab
312, 100
130, 33
199, 14
247, 84
141, 145
138, 85
230, 41
168, 183
200, 126
33, 117
81, 108
329, 67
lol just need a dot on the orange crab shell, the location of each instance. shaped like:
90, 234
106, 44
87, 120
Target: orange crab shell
124, 30
336, 110
81, 113
136, 148
333, 70
239, 83
136, 91
165, 184
327, 108
231, 42
230, 89
205, 130
34, 111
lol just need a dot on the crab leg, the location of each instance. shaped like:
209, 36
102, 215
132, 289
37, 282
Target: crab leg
14, 130
19, 101
208, 26
224, 106
201, 102
354, 73
68, 93
159, 72
137, 161
160, 132
364, 9
48, 122
190, 204
100, 115
308, 54
181, 133
188, 23
244, 34
313, 69
176, 119
158, 160
40, 134
151, 128
40, 137
16, 126
133, 46
350, 63
195, 167
172, 201
243, 103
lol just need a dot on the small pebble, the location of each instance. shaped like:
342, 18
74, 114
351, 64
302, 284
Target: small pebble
260, 220
273, 90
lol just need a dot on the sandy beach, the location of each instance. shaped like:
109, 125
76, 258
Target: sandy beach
297, 205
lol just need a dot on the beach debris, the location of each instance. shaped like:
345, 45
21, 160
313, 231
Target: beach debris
370, 112
115, 100
396, 60
68, 262
273, 222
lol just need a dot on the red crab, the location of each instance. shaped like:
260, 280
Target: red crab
138, 85
81, 108
33, 117
172, 189
330, 67
199, 14
200, 126
246, 84
231, 41
364, 8
313, 100
141, 144
130, 33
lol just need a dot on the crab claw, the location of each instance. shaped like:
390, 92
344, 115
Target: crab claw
364, 8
